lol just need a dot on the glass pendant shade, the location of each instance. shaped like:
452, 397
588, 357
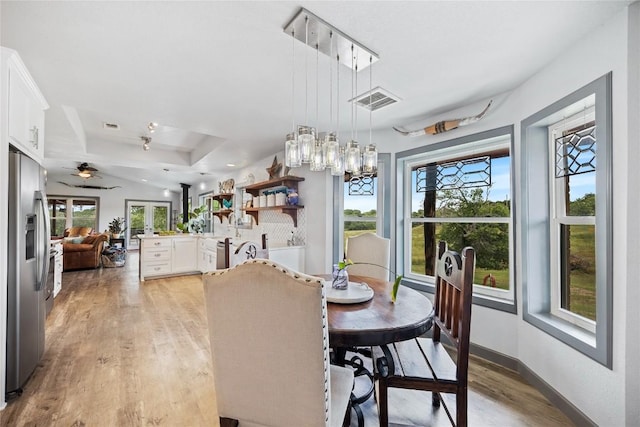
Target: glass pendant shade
337, 169
332, 148
292, 151
306, 141
353, 159
318, 157
369, 159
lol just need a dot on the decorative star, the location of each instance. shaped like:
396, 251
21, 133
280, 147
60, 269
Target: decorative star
274, 170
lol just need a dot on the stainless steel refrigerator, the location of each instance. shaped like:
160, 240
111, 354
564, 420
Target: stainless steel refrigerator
28, 265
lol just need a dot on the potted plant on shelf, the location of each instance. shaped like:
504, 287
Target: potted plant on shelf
116, 227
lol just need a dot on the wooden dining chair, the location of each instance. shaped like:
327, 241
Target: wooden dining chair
246, 250
268, 332
371, 250
424, 363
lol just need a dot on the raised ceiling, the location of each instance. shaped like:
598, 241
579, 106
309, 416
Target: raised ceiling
217, 76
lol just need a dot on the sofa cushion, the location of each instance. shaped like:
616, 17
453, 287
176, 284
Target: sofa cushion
77, 247
89, 240
77, 231
79, 239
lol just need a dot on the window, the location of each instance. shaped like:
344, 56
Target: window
567, 220
460, 191
362, 206
66, 211
573, 245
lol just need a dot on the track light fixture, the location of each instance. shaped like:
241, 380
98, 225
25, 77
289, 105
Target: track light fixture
145, 142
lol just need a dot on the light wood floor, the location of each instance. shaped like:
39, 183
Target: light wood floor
124, 353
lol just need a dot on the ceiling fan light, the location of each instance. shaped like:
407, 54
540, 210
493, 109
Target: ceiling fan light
146, 146
84, 174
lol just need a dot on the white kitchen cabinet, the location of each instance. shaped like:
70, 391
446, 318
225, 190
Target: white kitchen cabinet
26, 106
167, 255
185, 255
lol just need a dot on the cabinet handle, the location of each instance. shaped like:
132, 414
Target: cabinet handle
157, 243
34, 137
157, 255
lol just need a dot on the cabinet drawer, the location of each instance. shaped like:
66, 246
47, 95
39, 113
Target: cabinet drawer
154, 269
156, 243
156, 254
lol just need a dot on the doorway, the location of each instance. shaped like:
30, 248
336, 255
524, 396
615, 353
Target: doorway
144, 216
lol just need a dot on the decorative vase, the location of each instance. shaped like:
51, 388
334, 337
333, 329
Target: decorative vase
340, 278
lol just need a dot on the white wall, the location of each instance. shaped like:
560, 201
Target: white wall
112, 202
632, 359
315, 193
597, 391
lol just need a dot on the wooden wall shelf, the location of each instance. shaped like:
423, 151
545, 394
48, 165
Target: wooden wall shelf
222, 213
292, 211
287, 181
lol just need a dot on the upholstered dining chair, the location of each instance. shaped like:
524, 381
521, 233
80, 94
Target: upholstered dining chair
424, 363
270, 351
372, 250
246, 250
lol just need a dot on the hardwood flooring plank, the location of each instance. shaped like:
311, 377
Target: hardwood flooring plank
120, 352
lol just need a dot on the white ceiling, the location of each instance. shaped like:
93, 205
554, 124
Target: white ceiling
217, 75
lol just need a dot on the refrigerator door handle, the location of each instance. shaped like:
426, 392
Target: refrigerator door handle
43, 239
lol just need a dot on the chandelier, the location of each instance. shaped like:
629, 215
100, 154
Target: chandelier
304, 144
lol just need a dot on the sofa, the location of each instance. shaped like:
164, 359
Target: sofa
83, 252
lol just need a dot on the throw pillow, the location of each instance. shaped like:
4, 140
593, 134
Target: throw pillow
73, 239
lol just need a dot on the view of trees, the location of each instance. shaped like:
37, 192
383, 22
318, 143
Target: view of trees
490, 240
359, 225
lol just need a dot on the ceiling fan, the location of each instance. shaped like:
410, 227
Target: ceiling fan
85, 171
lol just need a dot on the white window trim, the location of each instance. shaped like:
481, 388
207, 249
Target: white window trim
559, 218
465, 146
69, 202
534, 230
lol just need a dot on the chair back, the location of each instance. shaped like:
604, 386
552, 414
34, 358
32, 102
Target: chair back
371, 249
453, 301
269, 345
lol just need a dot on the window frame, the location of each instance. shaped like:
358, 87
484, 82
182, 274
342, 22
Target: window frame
69, 200
478, 143
557, 191
383, 207
536, 223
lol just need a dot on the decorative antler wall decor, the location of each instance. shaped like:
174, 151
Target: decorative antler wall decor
445, 125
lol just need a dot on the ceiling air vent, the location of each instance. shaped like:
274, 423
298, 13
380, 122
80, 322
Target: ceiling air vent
379, 98
111, 126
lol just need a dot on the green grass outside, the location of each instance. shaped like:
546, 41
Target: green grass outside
582, 294
582, 287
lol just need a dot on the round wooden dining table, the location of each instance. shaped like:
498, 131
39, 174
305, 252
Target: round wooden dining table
375, 322
379, 321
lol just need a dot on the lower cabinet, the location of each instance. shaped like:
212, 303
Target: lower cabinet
164, 256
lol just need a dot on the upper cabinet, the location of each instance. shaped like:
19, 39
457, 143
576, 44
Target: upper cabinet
25, 107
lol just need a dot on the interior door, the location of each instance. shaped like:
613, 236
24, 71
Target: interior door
146, 217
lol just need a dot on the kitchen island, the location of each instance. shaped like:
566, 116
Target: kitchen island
182, 254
